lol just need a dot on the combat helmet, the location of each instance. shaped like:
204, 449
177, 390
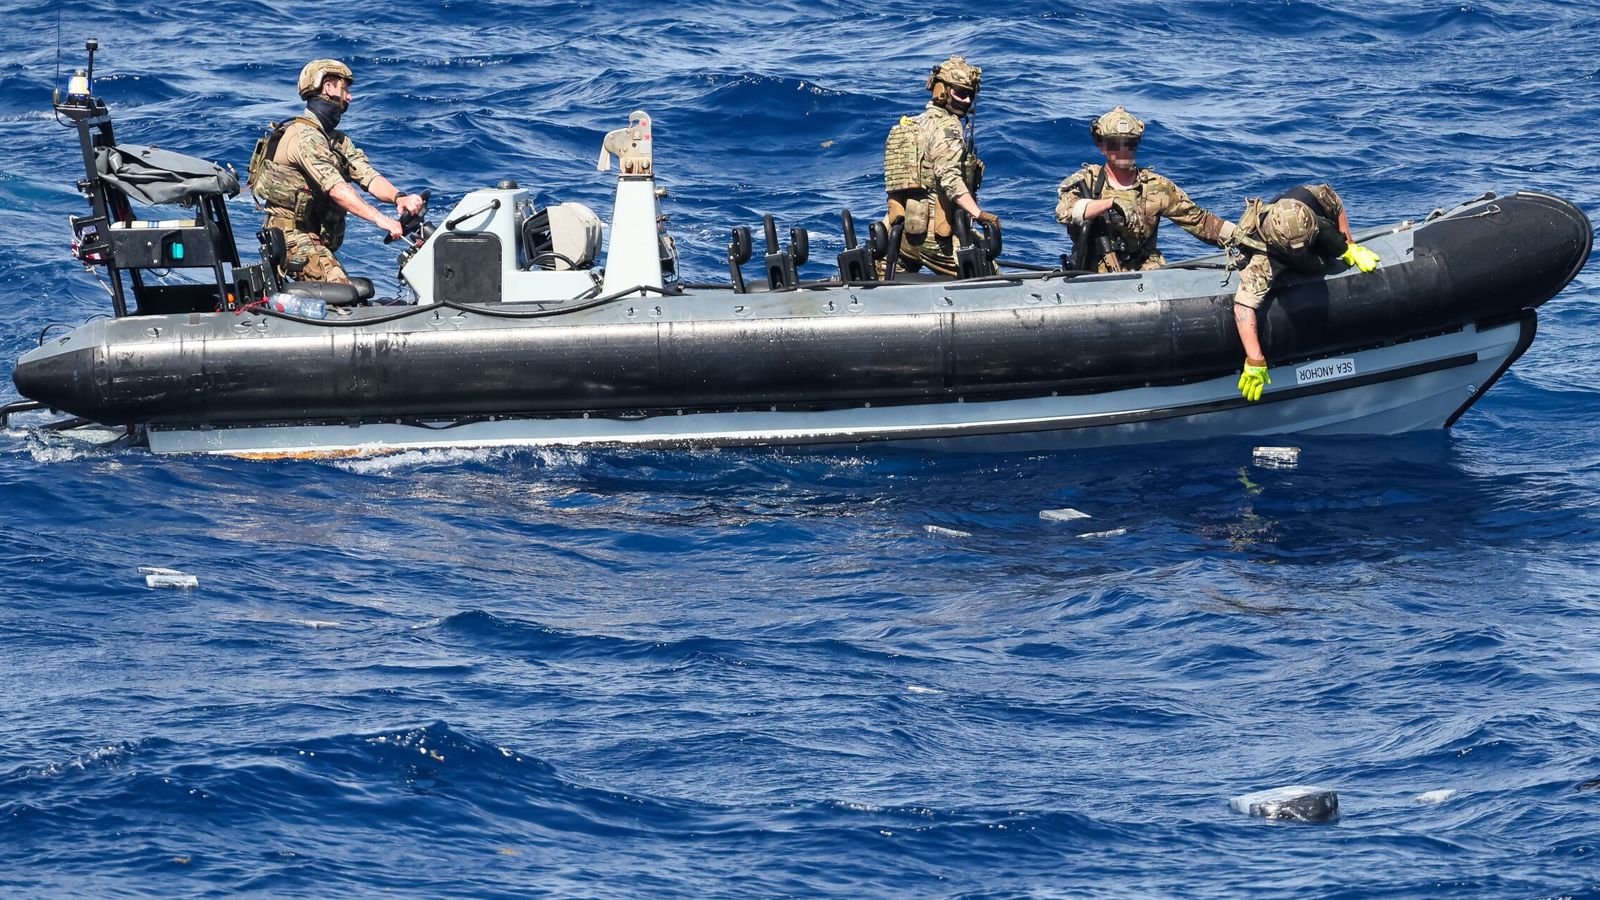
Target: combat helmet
1289, 225
1117, 123
312, 76
954, 72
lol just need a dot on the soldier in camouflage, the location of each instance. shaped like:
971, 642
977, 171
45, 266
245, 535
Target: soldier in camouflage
301, 174
1128, 202
1304, 229
931, 168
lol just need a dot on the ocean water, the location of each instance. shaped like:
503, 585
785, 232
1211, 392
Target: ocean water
754, 673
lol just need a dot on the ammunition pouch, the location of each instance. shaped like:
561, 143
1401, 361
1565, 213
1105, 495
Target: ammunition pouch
972, 171
902, 245
920, 215
262, 153
281, 188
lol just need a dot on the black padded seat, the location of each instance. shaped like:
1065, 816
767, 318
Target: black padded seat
359, 290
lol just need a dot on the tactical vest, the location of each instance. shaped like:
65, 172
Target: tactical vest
1303, 194
902, 160
273, 184
1131, 248
284, 191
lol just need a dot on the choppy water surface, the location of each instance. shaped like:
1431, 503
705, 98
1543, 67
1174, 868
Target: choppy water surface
880, 673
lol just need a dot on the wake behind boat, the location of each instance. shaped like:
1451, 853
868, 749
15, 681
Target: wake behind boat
517, 337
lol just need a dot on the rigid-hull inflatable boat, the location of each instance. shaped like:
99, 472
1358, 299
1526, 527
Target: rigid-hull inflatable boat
515, 337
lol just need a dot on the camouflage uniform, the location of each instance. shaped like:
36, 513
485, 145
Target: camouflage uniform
294, 186
947, 169
1262, 266
1151, 198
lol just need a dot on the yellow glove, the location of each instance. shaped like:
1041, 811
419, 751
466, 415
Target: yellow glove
1360, 257
1254, 379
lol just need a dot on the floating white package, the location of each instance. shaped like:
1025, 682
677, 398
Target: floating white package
178, 580
1062, 515
942, 531
1276, 457
1297, 802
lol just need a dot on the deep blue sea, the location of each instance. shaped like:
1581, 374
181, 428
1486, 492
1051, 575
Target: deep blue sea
780, 673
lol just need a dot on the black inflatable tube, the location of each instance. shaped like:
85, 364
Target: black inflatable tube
1516, 253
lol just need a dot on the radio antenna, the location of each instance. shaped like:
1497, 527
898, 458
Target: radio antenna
55, 95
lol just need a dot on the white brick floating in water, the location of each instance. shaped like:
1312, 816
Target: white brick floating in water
157, 577
1061, 515
1432, 798
1276, 457
941, 531
1297, 803
171, 581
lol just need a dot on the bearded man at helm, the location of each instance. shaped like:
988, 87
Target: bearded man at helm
301, 174
931, 167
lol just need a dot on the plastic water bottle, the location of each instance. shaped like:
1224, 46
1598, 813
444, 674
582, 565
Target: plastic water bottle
296, 305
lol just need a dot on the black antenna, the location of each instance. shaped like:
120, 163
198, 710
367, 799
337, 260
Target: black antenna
55, 95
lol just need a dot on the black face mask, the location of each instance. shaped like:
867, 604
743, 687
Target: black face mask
326, 111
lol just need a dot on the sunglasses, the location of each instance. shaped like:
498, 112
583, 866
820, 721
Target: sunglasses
1120, 143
